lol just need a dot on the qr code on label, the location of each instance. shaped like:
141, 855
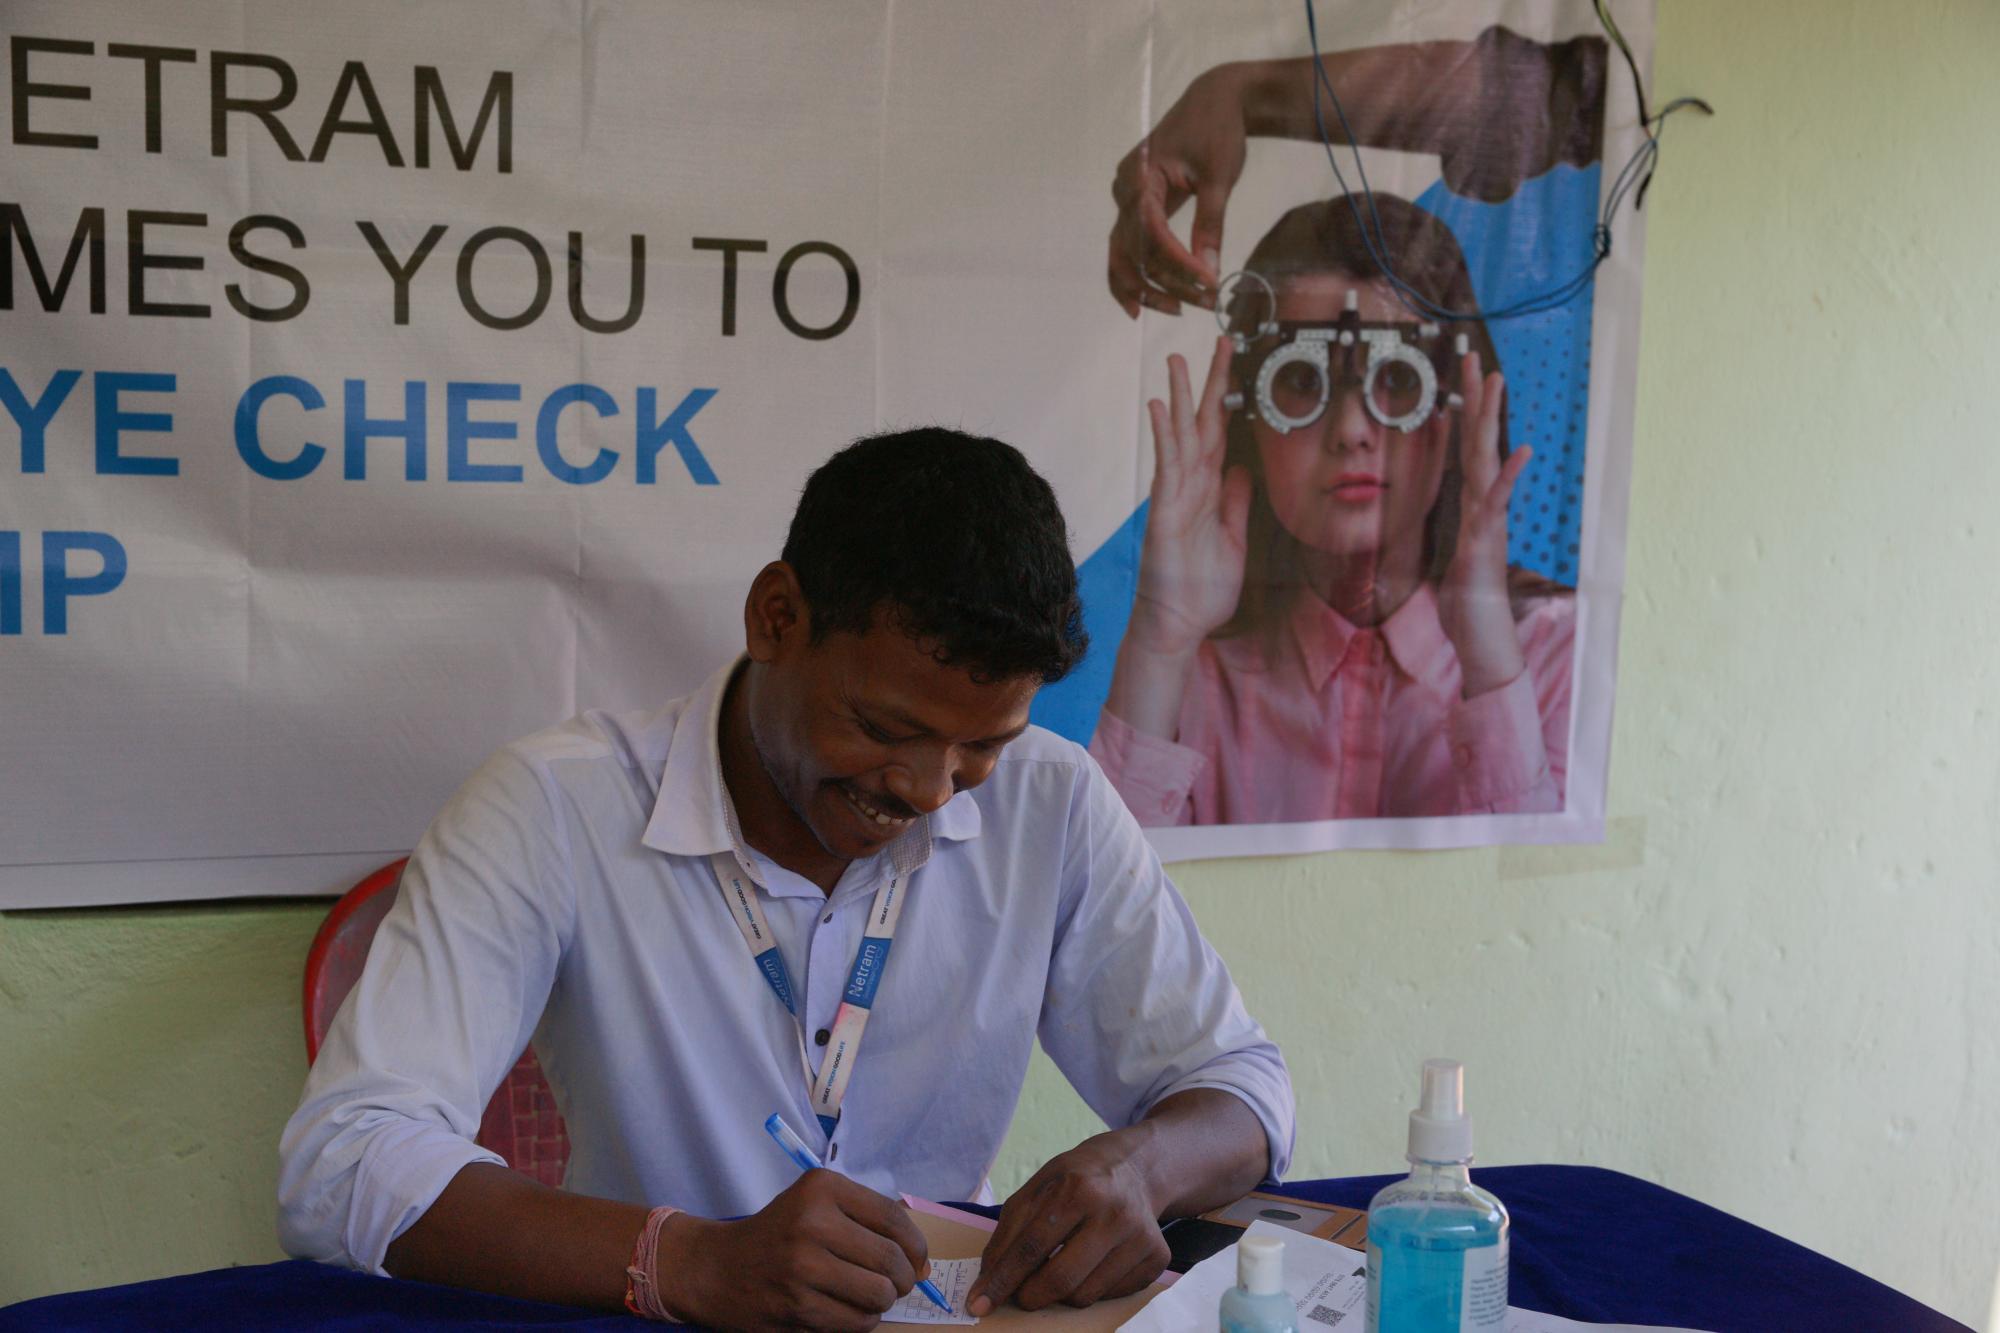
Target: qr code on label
1322, 1314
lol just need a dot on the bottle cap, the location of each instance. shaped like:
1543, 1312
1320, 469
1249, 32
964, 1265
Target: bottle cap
1260, 1265
1440, 1130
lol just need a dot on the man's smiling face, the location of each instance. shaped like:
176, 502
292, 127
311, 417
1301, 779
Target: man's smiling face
862, 732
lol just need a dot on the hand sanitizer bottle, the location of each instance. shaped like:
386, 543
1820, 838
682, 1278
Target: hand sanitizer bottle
1437, 1243
1258, 1303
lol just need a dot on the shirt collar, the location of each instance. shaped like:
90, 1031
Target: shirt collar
1414, 636
693, 816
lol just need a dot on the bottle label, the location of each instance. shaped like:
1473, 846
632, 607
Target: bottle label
1483, 1307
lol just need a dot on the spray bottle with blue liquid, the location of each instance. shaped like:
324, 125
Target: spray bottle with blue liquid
1437, 1243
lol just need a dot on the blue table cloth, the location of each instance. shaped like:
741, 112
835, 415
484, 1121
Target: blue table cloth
1589, 1244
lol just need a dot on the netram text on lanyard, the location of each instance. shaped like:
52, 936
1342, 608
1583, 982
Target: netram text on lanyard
829, 1086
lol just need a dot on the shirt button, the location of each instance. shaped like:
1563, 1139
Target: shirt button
1463, 755
822, 1037
826, 920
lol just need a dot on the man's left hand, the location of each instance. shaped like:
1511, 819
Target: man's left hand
1084, 1228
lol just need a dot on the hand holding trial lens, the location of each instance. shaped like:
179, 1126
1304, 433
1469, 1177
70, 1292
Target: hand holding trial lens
1296, 378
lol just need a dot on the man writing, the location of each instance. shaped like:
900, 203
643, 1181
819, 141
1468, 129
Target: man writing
673, 906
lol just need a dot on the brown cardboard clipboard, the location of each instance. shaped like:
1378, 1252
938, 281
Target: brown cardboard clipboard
1343, 1226
957, 1240
949, 1239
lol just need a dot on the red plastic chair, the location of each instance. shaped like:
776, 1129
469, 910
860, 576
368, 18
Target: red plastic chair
521, 1122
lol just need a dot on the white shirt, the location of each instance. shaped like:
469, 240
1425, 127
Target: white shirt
565, 895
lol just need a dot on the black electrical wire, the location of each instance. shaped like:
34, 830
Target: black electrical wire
1636, 174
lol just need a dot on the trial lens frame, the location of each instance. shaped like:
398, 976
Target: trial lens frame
1387, 353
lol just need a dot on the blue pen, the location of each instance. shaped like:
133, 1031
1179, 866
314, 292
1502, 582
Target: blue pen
796, 1149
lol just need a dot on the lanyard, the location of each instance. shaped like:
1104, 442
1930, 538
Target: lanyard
829, 1086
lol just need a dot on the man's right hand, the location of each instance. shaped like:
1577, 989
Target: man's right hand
1497, 110
825, 1254
1195, 152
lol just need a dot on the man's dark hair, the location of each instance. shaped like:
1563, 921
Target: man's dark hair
953, 536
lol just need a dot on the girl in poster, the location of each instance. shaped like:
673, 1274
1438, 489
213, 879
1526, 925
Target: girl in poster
1326, 625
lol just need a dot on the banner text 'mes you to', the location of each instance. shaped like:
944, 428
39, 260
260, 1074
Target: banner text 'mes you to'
256, 95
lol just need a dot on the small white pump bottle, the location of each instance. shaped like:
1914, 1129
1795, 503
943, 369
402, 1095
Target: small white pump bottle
1258, 1303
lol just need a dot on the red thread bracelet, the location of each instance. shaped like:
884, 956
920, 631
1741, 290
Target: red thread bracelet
642, 1293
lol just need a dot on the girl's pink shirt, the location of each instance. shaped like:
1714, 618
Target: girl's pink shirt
1343, 722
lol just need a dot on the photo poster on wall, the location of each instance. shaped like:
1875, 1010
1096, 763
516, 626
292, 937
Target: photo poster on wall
382, 384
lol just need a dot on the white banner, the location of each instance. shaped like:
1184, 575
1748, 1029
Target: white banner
384, 381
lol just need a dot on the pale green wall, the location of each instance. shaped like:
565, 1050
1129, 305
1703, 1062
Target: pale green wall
148, 1059
1775, 988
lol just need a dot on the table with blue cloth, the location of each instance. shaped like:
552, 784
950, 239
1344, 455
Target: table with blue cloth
1588, 1244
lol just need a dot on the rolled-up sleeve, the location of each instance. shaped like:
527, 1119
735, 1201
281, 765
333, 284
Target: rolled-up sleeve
1139, 1006
1155, 777
454, 985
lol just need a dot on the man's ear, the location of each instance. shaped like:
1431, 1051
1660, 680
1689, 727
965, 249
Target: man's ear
776, 620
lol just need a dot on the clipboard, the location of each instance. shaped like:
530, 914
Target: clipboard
950, 1238
1342, 1226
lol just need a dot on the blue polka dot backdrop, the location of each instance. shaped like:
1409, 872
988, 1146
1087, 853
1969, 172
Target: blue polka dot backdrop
1523, 247
1533, 242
